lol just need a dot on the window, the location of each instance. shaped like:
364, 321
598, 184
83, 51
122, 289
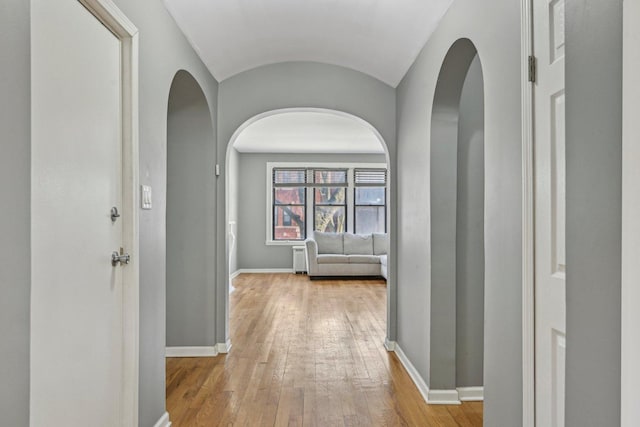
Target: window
329, 197
370, 201
289, 204
330, 200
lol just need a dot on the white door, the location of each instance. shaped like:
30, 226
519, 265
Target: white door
549, 152
77, 339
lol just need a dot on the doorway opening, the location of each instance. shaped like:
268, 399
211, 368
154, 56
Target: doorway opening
457, 228
304, 138
190, 297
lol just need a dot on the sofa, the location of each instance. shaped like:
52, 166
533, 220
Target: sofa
346, 254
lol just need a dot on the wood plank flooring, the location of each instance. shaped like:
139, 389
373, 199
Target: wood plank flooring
304, 354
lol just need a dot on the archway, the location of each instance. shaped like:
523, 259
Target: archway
231, 192
457, 225
190, 296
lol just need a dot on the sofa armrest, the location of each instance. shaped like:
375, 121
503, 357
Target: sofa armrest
312, 257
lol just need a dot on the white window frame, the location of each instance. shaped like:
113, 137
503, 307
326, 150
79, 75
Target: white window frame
356, 205
309, 199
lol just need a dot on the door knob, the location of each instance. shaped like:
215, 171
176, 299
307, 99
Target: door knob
120, 258
114, 214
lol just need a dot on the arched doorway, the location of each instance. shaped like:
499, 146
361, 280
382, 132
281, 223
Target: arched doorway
231, 179
190, 236
457, 227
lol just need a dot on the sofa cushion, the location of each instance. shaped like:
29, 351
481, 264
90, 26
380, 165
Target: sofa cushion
383, 260
364, 259
329, 243
333, 259
356, 244
380, 243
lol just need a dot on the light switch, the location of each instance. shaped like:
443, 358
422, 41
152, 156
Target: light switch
145, 197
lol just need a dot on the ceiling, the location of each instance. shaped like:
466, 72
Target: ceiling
308, 132
378, 37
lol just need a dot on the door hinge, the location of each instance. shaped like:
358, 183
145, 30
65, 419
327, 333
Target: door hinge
532, 68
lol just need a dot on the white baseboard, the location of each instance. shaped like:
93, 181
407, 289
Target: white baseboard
443, 397
261, 270
191, 351
234, 274
163, 421
224, 347
471, 394
413, 373
389, 345
433, 397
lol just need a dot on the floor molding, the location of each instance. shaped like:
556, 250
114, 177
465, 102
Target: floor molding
471, 394
191, 351
413, 372
260, 271
432, 397
234, 274
163, 421
389, 345
224, 347
443, 397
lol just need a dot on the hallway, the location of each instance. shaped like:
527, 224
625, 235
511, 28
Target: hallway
304, 353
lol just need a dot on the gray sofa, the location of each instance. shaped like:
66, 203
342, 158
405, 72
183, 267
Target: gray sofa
347, 254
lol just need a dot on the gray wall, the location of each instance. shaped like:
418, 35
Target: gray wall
15, 226
163, 52
301, 84
252, 232
470, 232
190, 179
497, 38
594, 162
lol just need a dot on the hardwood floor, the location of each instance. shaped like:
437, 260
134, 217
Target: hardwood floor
304, 354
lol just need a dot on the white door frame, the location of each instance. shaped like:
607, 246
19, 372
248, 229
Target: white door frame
528, 284
112, 18
630, 338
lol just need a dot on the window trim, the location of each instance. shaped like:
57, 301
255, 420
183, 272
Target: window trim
371, 182
310, 225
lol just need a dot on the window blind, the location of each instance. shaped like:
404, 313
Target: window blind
309, 177
370, 177
289, 177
